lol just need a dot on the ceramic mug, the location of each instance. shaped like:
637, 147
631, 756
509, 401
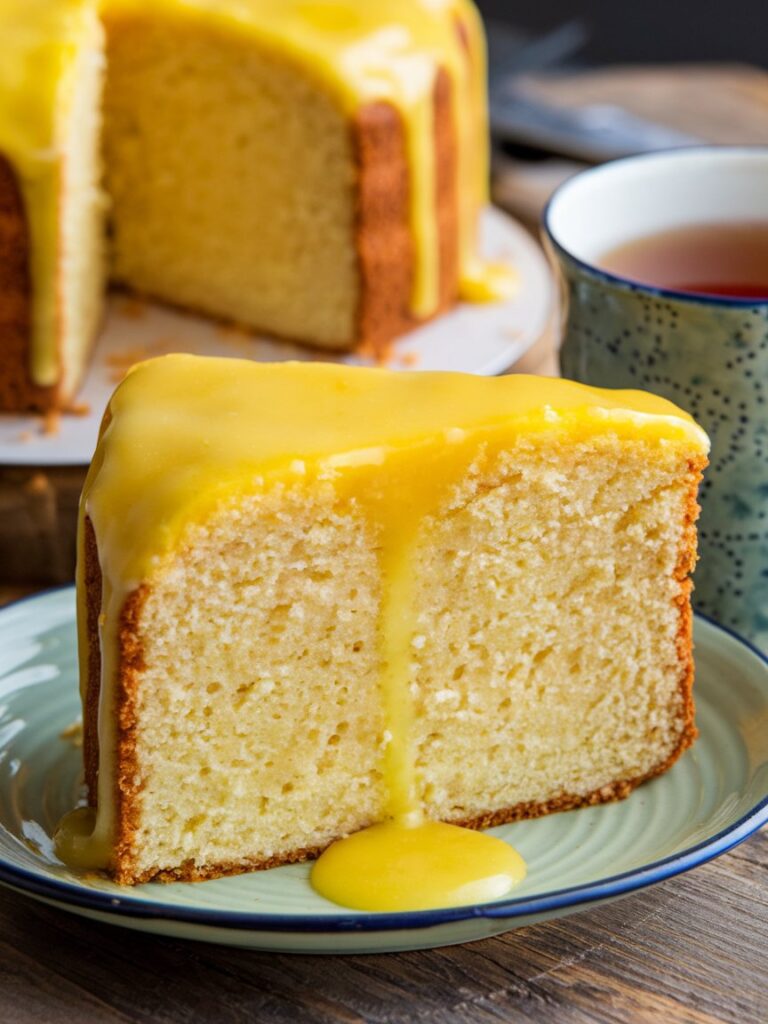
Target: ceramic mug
705, 353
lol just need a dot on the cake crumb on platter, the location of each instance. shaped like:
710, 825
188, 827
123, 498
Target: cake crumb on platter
233, 331
409, 360
51, 423
73, 733
132, 307
78, 409
37, 484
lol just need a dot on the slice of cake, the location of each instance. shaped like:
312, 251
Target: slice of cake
313, 597
311, 170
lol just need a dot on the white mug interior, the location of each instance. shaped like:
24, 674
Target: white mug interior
619, 202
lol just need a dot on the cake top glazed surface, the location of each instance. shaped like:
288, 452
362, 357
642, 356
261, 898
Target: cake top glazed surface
182, 432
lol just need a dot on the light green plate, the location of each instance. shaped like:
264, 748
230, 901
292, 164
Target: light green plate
713, 798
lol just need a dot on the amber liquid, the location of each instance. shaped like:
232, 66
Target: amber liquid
706, 259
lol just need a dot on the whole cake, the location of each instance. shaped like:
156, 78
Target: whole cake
313, 597
310, 169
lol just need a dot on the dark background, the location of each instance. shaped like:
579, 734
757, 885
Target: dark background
650, 30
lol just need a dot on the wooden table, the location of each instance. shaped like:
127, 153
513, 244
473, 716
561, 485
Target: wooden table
693, 950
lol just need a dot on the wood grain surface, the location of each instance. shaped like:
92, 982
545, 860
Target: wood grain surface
726, 104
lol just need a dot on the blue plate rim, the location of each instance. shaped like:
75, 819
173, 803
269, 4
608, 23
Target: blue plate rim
68, 895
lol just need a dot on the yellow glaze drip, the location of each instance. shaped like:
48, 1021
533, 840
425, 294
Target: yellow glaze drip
364, 51
40, 42
389, 868
183, 434
75, 843
488, 282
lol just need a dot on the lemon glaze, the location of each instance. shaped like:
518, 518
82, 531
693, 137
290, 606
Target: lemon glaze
391, 867
184, 435
41, 44
364, 52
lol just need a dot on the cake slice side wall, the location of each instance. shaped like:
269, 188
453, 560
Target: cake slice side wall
383, 239
130, 660
89, 606
383, 242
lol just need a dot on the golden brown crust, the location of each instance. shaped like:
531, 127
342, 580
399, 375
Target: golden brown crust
383, 238
686, 562
127, 785
130, 665
17, 391
93, 682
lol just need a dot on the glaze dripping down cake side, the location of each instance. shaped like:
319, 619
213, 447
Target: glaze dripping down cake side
326, 585
52, 208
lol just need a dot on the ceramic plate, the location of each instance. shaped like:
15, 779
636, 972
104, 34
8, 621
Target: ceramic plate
713, 798
484, 339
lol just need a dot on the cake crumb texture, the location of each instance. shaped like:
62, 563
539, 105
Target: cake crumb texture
249, 213
551, 658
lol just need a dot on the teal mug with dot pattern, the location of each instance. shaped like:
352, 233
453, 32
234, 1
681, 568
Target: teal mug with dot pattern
707, 354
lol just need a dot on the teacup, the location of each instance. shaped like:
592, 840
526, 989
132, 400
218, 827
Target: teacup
707, 354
